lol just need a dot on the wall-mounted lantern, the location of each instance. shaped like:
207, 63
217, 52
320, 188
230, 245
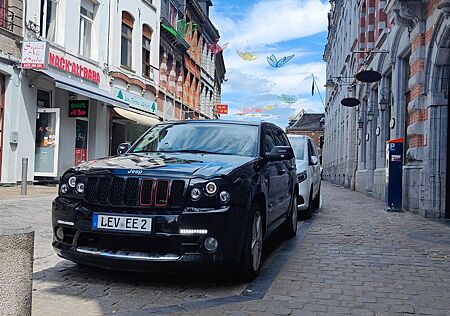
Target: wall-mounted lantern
384, 101
370, 115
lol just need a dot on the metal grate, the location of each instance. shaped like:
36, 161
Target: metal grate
146, 192
177, 193
131, 192
116, 195
104, 188
162, 192
91, 189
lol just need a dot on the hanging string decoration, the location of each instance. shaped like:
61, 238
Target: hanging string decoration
287, 98
275, 63
215, 48
247, 56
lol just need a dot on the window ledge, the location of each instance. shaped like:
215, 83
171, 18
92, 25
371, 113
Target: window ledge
149, 4
127, 69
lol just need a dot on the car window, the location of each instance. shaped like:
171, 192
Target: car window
279, 139
311, 150
298, 145
269, 140
216, 138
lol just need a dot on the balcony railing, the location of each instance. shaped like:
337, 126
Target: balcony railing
11, 19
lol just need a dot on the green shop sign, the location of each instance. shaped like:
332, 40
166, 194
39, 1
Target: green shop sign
135, 101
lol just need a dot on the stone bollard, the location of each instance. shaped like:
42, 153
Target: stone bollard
16, 270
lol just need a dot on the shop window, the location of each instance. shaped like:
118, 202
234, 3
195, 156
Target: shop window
48, 19
146, 43
44, 99
127, 39
86, 21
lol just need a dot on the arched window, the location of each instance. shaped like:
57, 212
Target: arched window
127, 38
146, 41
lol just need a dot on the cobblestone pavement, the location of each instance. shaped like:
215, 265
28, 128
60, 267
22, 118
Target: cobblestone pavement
353, 259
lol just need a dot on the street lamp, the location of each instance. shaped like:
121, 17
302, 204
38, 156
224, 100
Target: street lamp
370, 112
384, 102
360, 122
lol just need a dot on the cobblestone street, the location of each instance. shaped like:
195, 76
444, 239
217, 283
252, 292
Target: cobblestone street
352, 258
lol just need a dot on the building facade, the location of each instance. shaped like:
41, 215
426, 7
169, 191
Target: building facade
407, 42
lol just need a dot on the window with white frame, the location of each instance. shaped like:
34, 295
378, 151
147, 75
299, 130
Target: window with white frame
146, 41
126, 40
48, 19
86, 20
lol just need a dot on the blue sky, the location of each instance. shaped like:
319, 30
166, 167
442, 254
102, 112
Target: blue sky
265, 27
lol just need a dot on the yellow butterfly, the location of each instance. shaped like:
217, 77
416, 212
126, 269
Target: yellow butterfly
247, 56
269, 107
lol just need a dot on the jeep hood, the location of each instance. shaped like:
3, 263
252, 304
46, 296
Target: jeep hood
167, 164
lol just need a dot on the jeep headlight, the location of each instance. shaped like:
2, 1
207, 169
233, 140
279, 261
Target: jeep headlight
302, 176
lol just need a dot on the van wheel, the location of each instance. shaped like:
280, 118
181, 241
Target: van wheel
316, 201
290, 226
251, 257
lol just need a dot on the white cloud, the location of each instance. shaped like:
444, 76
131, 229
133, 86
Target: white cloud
273, 21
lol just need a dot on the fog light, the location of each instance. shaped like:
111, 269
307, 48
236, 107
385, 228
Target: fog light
224, 197
63, 188
211, 244
184, 231
60, 233
72, 182
196, 194
211, 188
80, 188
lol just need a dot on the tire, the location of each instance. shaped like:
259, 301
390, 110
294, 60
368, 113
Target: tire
316, 201
253, 243
307, 214
290, 226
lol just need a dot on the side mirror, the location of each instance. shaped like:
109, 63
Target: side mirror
314, 160
123, 148
279, 153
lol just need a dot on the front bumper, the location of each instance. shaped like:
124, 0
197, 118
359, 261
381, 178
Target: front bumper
304, 190
164, 249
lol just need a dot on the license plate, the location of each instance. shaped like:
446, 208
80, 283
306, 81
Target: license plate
123, 223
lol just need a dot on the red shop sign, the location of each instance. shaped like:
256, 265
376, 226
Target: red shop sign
77, 69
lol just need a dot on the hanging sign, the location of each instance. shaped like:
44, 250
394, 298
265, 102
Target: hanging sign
222, 108
135, 101
34, 55
78, 108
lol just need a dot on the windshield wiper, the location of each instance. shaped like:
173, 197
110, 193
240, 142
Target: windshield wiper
193, 151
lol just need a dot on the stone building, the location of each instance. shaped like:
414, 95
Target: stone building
309, 124
408, 43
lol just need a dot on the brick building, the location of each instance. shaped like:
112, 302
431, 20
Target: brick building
309, 124
408, 43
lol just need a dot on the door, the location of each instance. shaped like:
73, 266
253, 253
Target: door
46, 143
315, 169
81, 137
2, 107
270, 176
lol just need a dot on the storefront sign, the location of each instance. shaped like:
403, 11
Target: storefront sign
222, 108
78, 108
76, 68
135, 101
34, 55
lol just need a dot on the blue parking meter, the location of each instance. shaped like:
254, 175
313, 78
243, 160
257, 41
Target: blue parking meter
394, 169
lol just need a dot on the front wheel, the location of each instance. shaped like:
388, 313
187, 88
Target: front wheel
251, 258
290, 228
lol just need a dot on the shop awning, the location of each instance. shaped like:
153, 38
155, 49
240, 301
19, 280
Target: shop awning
139, 117
71, 85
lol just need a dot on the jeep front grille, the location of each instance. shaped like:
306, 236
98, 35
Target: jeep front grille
135, 192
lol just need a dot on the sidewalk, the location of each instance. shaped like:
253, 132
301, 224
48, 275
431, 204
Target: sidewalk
13, 193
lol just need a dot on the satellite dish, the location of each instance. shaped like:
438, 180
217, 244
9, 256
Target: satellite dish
368, 76
350, 102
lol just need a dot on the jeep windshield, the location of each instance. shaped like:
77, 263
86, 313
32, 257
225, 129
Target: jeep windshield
206, 138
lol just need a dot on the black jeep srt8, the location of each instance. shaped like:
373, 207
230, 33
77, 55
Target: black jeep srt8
187, 194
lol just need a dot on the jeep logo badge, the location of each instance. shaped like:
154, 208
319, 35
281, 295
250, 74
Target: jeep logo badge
133, 171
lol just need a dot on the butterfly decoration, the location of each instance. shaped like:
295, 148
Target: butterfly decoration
247, 56
184, 28
288, 98
215, 48
170, 29
269, 107
275, 63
